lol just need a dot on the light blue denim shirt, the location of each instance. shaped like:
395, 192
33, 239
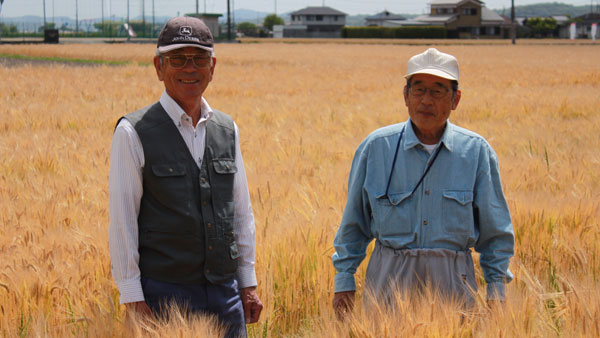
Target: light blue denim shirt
459, 205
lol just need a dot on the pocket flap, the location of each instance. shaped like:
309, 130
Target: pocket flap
224, 166
460, 196
396, 198
168, 170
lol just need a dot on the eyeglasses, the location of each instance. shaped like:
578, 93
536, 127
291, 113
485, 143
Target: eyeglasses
180, 60
436, 92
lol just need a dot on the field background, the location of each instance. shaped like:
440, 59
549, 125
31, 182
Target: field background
302, 110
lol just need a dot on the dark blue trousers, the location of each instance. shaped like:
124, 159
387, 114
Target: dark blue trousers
222, 300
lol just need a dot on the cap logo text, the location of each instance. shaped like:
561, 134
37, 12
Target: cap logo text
185, 30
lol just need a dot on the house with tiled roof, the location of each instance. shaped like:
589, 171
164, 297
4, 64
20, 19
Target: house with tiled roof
315, 22
380, 18
465, 19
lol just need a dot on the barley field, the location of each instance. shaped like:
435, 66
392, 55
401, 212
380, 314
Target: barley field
302, 110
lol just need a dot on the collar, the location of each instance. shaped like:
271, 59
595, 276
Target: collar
176, 113
411, 140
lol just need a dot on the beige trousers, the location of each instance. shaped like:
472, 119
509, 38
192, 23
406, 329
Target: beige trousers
411, 271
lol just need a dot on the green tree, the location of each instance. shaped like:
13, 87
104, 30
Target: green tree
111, 28
49, 25
8, 30
247, 28
541, 27
271, 20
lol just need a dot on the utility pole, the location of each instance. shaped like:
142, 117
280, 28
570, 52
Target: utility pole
197, 7
128, 24
143, 18
513, 29
228, 22
102, 4
45, 15
153, 15
76, 17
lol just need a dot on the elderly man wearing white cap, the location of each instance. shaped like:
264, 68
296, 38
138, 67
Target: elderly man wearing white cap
181, 224
427, 191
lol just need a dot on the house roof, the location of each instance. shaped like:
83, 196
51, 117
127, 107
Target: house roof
318, 11
589, 17
407, 22
436, 19
489, 16
451, 2
385, 15
560, 19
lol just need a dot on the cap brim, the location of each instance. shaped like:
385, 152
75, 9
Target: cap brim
433, 71
168, 48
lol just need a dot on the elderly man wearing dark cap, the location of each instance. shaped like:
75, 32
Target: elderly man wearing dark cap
181, 223
427, 191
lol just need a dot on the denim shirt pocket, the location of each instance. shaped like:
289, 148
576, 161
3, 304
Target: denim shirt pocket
457, 211
392, 214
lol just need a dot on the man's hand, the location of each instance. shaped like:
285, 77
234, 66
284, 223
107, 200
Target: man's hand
252, 304
140, 309
343, 303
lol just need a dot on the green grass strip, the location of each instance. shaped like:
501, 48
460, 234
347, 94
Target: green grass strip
70, 60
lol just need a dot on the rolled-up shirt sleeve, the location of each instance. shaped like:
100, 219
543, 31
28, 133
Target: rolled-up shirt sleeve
496, 235
125, 193
353, 235
243, 221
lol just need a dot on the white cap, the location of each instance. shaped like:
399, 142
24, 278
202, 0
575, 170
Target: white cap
433, 62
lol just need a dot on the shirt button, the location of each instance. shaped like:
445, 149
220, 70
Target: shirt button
203, 203
424, 222
207, 270
427, 192
209, 225
209, 248
203, 180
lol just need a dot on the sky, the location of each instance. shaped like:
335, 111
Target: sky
88, 9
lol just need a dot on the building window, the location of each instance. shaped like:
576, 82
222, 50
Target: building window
444, 10
335, 18
319, 18
293, 18
469, 11
491, 30
310, 18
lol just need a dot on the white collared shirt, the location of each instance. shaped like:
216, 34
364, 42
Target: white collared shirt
125, 191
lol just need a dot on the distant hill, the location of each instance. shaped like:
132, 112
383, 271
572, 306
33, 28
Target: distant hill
246, 15
545, 9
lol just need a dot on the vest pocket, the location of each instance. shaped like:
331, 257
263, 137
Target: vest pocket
169, 183
457, 215
392, 215
222, 181
224, 166
168, 170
